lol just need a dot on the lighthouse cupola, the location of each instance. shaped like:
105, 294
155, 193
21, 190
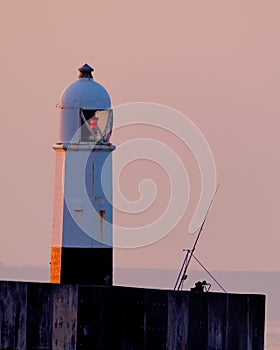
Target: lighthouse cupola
85, 110
82, 218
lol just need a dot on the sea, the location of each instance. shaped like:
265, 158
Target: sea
272, 336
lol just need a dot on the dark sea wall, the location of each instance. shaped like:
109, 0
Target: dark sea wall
46, 316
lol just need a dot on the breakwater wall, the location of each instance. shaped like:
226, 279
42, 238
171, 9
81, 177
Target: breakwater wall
42, 316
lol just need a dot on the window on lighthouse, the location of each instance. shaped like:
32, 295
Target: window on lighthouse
96, 126
90, 131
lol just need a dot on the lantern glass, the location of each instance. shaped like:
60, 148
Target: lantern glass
96, 125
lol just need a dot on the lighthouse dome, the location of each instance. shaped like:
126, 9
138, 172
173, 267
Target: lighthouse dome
85, 110
85, 93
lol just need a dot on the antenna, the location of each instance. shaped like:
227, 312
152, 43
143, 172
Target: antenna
190, 253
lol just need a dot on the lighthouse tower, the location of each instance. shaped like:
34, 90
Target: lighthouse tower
82, 221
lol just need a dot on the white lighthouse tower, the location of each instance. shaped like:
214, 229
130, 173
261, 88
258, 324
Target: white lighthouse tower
82, 220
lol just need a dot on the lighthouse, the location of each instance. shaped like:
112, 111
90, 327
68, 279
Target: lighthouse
82, 220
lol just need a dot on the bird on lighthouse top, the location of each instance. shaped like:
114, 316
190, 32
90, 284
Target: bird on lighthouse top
85, 110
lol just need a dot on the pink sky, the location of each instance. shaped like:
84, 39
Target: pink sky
215, 61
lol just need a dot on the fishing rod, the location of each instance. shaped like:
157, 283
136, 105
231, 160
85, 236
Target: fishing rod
183, 272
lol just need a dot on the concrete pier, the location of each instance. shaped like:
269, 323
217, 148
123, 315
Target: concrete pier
77, 317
